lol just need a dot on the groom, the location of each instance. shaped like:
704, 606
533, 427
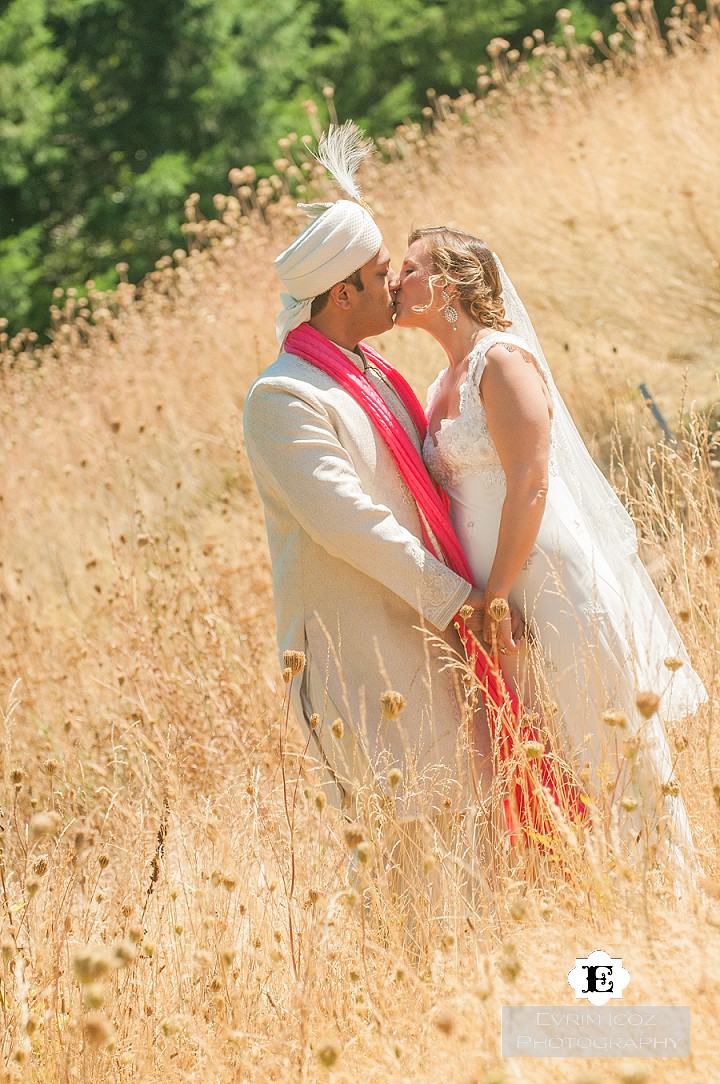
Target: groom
355, 589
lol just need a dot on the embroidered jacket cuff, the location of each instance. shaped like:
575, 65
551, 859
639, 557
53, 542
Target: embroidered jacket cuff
444, 591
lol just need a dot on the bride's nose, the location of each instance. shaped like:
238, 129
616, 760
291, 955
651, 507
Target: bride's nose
393, 281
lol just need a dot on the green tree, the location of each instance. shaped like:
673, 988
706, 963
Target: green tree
394, 53
30, 65
111, 111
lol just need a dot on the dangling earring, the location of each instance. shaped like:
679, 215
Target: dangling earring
450, 312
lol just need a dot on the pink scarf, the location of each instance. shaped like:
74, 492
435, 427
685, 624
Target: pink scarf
524, 809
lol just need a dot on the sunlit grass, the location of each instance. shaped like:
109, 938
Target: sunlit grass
147, 848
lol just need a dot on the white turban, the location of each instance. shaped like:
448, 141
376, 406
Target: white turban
342, 237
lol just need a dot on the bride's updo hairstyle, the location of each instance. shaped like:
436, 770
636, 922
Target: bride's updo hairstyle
466, 262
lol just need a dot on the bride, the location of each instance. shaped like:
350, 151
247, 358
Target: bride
542, 529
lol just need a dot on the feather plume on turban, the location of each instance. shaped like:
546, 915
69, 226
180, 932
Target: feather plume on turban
341, 238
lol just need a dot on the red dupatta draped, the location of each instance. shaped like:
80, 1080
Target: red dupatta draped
526, 806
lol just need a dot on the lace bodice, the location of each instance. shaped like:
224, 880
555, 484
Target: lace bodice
463, 445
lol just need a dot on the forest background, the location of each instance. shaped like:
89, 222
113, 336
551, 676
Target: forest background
112, 111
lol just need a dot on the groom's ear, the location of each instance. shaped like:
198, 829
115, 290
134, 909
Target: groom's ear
340, 295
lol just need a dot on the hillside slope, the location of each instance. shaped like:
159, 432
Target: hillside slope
138, 633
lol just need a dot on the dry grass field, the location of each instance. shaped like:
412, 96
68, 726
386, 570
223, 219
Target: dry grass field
175, 903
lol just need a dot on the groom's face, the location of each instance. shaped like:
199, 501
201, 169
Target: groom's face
373, 305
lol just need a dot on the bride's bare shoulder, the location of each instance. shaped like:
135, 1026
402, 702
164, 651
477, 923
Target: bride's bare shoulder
504, 347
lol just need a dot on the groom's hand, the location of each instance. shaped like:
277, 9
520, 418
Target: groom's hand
476, 599
517, 624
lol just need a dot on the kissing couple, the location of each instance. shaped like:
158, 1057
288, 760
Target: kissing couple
477, 530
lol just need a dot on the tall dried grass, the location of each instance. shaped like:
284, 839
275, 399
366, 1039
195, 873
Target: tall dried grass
160, 828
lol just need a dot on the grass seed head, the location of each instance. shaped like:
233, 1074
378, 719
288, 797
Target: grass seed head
294, 661
364, 852
124, 953
202, 961
499, 609
518, 909
447, 942
354, 835
392, 704
615, 718
633, 1075
43, 824
631, 746
82, 841
671, 789
90, 963
509, 963
395, 778
94, 996
338, 729
681, 742
172, 1025
444, 1021
328, 1052
673, 663
647, 703
629, 803
400, 972
97, 1029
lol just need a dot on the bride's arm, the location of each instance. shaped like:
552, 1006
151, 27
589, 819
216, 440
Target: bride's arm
518, 416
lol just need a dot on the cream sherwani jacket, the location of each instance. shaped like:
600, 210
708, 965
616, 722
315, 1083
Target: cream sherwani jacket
354, 587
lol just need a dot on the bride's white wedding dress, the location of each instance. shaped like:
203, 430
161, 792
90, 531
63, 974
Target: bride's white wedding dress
602, 631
